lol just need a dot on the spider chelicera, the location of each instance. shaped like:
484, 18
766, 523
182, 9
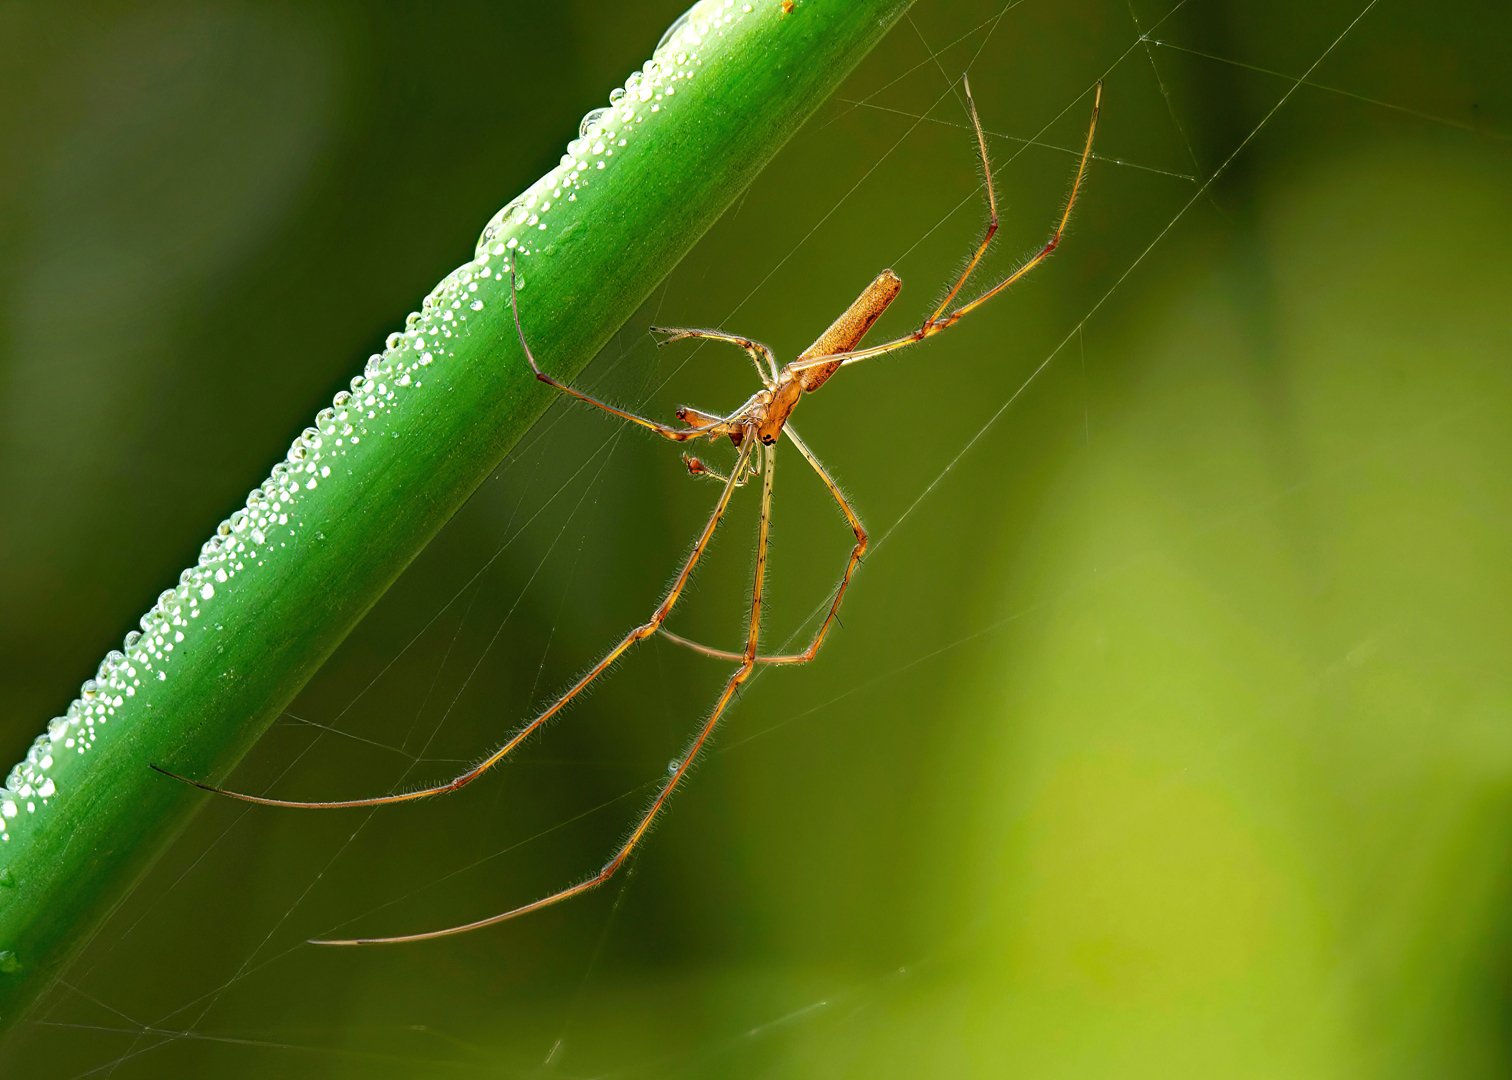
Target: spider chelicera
755, 428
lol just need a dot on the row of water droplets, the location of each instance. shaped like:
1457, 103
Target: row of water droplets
272, 515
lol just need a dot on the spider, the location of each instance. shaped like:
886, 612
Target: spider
755, 429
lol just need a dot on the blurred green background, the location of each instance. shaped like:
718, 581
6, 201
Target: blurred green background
1170, 730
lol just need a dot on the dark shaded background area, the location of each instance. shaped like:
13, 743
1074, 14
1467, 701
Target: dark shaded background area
1170, 730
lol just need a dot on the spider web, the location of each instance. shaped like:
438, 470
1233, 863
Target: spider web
650, 977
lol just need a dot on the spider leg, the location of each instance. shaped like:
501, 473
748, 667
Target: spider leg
940, 322
742, 673
666, 431
992, 210
850, 568
639, 634
758, 352
1055, 238
697, 467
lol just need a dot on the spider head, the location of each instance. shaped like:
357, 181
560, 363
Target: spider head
778, 406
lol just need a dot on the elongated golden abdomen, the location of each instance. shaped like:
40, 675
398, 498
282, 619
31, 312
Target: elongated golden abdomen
846, 332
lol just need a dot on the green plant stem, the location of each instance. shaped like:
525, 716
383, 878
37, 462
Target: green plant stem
286, 578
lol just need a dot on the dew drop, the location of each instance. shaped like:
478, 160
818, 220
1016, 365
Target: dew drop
590, 118
672, 31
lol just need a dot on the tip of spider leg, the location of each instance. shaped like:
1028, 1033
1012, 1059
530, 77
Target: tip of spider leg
170, 774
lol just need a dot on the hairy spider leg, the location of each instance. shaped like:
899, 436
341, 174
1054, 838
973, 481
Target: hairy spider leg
992, 210
742, 673
937, 322
666, 431
758, 352
699, 467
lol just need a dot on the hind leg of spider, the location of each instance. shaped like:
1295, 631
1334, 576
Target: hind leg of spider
857, 551
742, 673
634, 637
759, 353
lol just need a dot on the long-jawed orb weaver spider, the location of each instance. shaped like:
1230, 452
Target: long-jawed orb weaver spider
755, 429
